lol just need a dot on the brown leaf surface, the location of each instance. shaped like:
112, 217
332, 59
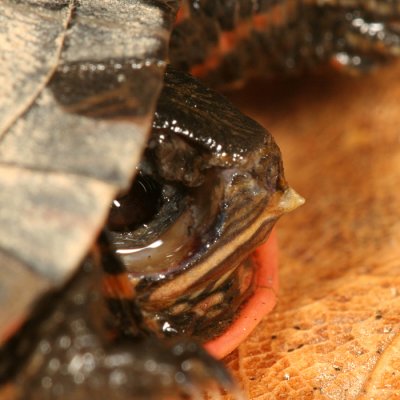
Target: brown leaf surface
335, 331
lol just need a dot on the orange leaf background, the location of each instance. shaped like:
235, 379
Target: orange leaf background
335, 331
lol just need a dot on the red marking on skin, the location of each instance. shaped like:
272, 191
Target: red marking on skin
118, 287
336, 64
260, 303
212, 62
260, 22
12, 327
228, 40
181, 14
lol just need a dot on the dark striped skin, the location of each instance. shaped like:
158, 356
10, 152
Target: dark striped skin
202, 313
225, 42
225, 203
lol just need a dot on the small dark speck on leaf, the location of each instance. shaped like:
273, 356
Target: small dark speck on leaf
378, 314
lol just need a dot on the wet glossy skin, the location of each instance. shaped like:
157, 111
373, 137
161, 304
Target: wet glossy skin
226, 43
216, 178
80, 352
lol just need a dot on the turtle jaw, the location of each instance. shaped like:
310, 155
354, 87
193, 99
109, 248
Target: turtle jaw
257, 306
206, 296
263, 297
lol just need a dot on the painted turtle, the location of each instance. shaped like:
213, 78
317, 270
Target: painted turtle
80, 82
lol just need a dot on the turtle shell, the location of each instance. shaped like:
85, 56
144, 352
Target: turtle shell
79, 81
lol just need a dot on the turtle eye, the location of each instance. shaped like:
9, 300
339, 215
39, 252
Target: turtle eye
136, 207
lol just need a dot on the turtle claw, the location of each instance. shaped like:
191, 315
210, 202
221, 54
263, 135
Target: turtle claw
147, 369
158, 370
201, 368
72, 356
368, 40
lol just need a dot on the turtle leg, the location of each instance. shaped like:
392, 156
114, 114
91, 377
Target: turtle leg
368, 38
67, 350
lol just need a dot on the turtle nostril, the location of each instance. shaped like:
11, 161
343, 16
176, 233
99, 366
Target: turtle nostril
136, 207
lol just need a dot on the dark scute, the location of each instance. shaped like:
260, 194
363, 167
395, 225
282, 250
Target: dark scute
52, 5
107, 89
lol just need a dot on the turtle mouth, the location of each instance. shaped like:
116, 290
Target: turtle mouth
261, 301
191, 265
